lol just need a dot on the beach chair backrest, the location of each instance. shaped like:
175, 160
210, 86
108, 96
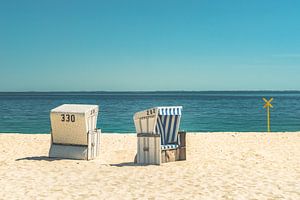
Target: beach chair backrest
70, 123
167, 125
164, 121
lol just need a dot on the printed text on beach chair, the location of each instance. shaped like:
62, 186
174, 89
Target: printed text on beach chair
158, 137
73, 132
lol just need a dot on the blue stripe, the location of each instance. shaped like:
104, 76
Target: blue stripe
174, 129
160, 127
169, 127
164, 125
177, 129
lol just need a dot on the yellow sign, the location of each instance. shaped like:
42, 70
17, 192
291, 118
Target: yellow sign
268, 105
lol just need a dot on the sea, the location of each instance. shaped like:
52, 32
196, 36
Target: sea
206, 111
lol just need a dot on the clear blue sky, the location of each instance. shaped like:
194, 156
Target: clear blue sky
64, 45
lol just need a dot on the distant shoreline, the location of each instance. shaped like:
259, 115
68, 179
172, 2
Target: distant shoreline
151, 92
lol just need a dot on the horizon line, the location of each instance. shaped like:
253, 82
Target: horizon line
146, 91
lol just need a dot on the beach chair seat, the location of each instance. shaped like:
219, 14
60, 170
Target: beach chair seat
158, 135
73, 132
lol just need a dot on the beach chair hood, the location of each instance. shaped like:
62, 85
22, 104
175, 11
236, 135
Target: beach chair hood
71, 122
163, 121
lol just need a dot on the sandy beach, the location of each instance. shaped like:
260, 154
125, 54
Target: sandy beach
218, 166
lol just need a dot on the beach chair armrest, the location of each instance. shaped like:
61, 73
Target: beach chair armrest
98, 130
182, 138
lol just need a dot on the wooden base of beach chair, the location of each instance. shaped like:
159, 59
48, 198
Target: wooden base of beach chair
149, 150
172, 155
79, 152
68, 152
182, 153
182, 147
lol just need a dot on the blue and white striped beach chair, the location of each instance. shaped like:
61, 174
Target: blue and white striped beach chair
159, 139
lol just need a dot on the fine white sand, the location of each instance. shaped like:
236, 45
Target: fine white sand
218, 166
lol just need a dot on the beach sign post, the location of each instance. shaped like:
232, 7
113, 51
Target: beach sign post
268, 105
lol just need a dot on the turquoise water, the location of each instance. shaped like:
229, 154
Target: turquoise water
202, 111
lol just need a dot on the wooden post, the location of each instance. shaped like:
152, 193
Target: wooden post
267, 106
182, 148
268, 110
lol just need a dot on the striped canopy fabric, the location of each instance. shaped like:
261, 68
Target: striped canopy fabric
169, 110
167, 125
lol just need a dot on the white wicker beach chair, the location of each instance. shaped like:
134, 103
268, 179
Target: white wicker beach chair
73, 132
159, 139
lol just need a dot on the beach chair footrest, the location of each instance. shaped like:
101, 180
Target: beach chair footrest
169, 146
171, 155
68, 151
80, 152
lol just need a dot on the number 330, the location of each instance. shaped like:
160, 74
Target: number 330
67, 118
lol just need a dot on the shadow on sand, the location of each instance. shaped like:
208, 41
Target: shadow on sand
40, 158
46, 158
126, 164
